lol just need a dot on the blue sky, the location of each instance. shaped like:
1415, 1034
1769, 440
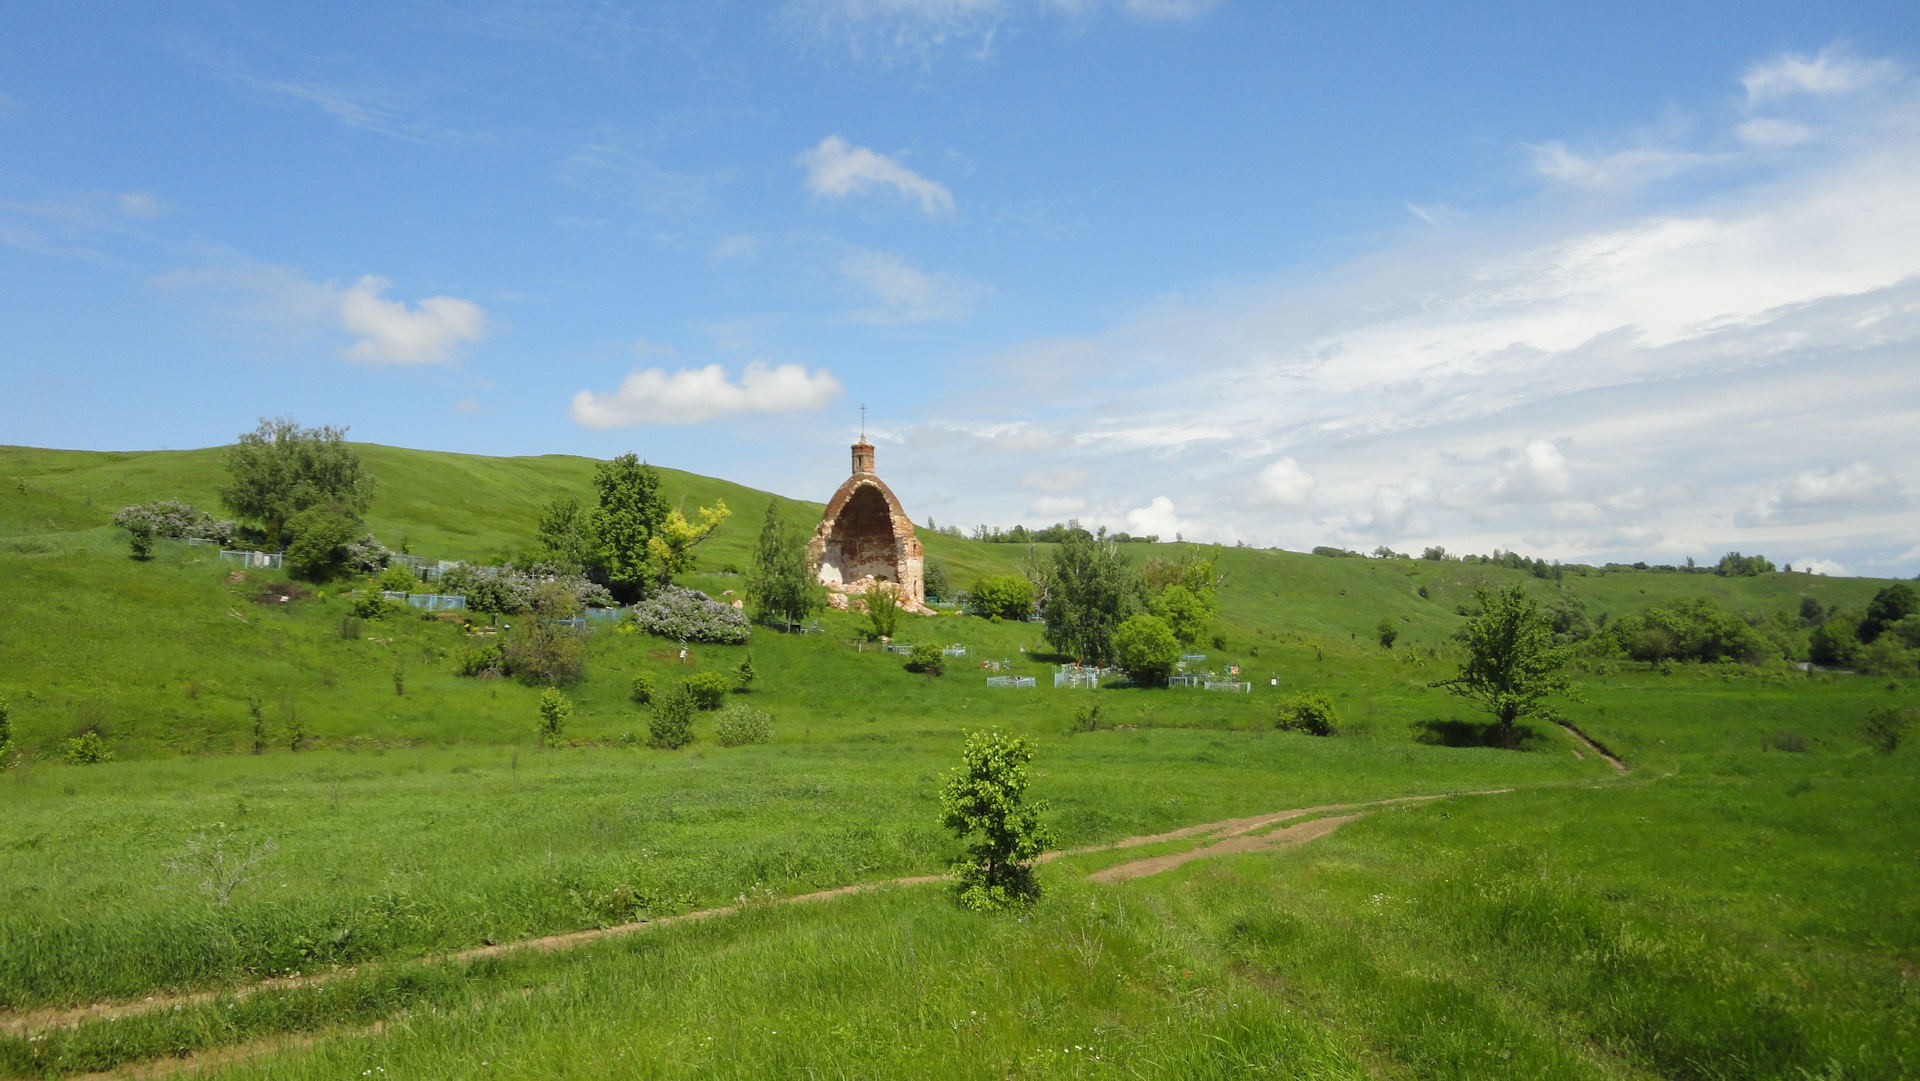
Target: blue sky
1627, 281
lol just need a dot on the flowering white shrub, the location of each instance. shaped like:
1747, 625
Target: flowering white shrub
172, 518
506, 591
691, 616
368, 556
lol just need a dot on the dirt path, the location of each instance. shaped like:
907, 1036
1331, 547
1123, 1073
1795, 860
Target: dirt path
1594, 746
1233, 835
1285, 837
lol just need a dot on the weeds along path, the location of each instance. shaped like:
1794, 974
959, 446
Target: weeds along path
1229, 837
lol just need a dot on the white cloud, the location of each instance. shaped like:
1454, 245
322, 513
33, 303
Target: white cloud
904, 294
1157, 518
1819, 566
837, 168
141, 204
1623, 169
1170, 9
693, 395
1826, 493
1538, 473
1765, 131
469, 406
1831, 72
743, 246
391, 333
1285, 483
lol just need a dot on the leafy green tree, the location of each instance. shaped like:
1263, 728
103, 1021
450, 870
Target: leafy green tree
672, 544
1889, 606
1735, 565
780, 585
1091, 590
1145, 648
1386, 632
1812, 611
140, 539
280, 469
1004, 595
320, 535
541, 649
555, 710
630, 512
565, 532
1835, 641
937, 586
744, 672
1311, 712
883, 609
1187, 613
984, 803
1512, 665
1689, 628
671, 725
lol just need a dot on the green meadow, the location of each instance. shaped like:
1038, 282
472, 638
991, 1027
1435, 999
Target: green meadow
1742, 902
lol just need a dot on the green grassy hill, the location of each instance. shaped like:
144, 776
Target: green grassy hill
1743, 902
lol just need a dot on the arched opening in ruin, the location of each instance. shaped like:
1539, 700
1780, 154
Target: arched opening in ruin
861, 542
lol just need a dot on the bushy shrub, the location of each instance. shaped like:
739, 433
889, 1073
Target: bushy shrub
1689, 629
1146, 649
509, 591
1885, 725
480, 661
1005, 595
643, 688
6, 734
671, 726
555, 710
320, 538
1386, 632
744, 672
883, 609
926, 657
351, 627
540, 650
1790, 741
689, 615
397, 579
1312, 713
175, 520
1889, 606
85, 749
738, 725
369, 604
709, 689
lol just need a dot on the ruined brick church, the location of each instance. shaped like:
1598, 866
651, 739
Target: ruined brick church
866, 538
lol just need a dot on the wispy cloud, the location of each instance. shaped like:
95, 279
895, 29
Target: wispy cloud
837, 168
384, 332
609, 170
903, 294
381, 110
696, 395
914, 30
1725, 364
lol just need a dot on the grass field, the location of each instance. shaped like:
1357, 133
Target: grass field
1725, 909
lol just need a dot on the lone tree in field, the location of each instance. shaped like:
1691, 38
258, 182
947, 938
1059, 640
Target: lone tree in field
1512, 665
1091, 590
780, 584
984, 803
630, 512
280, 469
